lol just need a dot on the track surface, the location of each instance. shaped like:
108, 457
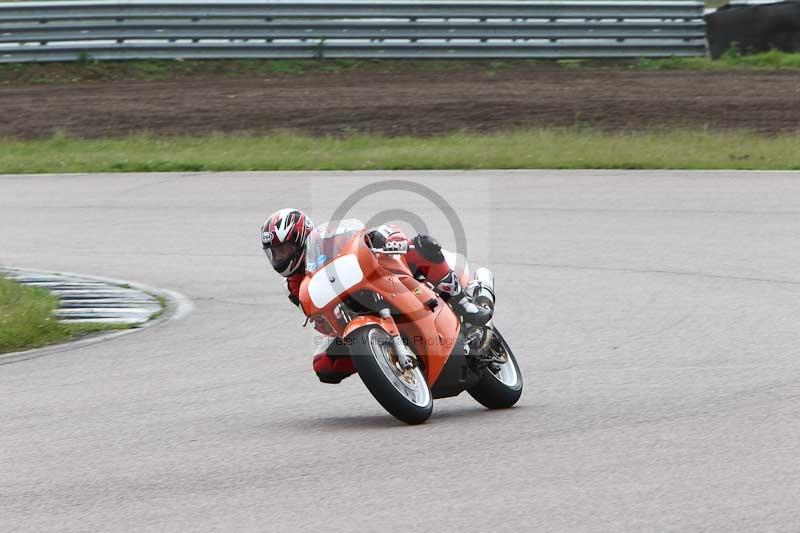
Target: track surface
654, 315
418, 102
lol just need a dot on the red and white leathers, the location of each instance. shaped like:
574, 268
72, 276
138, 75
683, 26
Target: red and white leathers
424, 256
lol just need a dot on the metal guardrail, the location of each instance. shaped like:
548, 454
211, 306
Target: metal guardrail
142, 29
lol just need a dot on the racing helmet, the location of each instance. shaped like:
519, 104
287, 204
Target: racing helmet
283, 238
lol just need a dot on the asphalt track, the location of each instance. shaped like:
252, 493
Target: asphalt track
655, 316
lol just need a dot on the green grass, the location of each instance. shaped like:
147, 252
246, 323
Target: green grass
80, 329
163, 303
154, 70
26, 319
553, 148
732, 60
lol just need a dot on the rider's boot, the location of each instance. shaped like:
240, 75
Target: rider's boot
453, 293
332, 363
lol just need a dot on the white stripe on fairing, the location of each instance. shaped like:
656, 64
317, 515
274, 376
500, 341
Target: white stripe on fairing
345, 273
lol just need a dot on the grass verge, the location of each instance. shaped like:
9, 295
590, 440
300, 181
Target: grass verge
26, 319
80, 329
163, 303
154, 70
553, 148
159, 70
731, 60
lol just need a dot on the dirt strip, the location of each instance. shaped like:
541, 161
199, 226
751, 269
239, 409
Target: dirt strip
418, 103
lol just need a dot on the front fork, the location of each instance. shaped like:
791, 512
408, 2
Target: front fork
405, 362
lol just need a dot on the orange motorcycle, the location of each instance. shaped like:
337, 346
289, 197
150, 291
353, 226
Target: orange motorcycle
406, 343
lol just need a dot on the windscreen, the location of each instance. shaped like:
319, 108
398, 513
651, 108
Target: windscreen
326, 241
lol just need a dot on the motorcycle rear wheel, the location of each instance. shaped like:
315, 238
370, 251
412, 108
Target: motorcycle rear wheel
500, 388
404, 394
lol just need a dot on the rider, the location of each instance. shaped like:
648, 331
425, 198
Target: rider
283, 238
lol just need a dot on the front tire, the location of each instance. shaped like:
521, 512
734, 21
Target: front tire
500, 388
405, 395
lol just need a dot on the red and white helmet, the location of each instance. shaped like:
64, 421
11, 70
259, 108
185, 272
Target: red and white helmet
283, 237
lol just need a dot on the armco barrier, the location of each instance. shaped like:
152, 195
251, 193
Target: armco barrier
142, 29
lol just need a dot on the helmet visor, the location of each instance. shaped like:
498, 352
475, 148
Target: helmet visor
280, 255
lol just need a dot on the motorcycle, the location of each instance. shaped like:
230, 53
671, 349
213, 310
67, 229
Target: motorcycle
406, 343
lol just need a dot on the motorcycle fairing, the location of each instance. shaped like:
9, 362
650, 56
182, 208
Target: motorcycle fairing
432, 330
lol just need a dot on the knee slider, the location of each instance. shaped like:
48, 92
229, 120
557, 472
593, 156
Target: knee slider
429, 248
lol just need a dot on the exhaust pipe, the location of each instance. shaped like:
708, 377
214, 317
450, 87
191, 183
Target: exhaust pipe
483, 287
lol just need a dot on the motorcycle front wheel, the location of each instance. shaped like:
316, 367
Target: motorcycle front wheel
403, 393
500, 386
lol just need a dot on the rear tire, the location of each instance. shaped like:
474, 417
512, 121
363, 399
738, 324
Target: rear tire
501, 389
405, 395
